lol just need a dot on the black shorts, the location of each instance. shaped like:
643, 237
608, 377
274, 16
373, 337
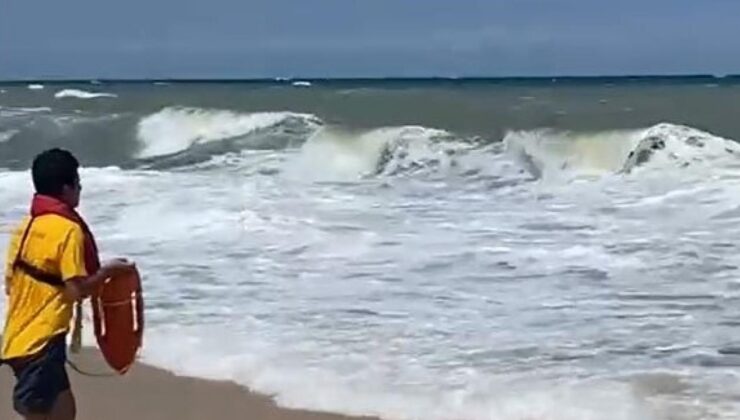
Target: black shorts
40, 378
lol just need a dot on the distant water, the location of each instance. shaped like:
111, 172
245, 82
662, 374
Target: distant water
440, 249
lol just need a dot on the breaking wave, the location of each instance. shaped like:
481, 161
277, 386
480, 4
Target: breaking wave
302, 146
339, 154
334, 154
548, 153
174, 130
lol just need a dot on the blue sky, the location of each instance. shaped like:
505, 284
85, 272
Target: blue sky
355, 38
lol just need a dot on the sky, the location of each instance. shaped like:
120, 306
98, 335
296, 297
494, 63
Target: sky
42, 39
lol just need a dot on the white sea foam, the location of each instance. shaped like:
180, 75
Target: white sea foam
370, 390
82, 94
16, 111
7, 135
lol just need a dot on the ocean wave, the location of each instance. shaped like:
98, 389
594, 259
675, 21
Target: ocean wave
338, 154
334, 153
548, 153
82, 94
173, 130
310, 149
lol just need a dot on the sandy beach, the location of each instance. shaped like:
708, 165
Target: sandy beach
148, 393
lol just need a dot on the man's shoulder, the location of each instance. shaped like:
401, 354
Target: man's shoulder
55, 226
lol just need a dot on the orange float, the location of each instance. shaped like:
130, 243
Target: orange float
118, 319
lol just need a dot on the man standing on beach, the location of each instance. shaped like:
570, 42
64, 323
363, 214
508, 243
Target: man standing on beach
52, 263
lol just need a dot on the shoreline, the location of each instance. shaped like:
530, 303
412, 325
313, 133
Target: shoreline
150, 393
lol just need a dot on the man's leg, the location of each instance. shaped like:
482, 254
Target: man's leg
65, 407
42, 390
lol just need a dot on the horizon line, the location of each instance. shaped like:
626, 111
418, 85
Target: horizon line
283, 79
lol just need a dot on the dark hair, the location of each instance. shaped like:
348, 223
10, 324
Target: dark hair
52, 170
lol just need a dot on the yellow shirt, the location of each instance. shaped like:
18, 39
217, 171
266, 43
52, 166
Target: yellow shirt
37, 311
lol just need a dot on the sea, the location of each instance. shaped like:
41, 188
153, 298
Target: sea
417, 249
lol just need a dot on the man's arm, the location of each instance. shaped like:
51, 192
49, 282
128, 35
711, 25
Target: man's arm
78, 283
78, 288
